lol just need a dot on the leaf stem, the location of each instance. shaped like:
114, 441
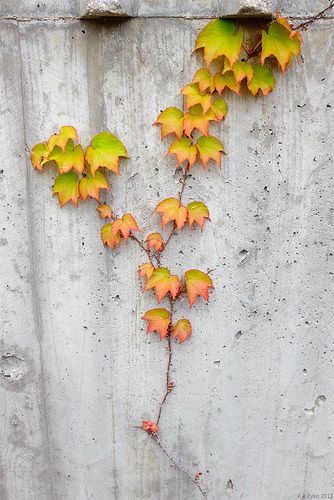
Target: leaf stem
169, 385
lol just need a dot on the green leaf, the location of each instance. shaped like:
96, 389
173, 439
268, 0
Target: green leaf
105, 151
280, 43
209, 148
67, 188
71, 157
219, 107
263, 80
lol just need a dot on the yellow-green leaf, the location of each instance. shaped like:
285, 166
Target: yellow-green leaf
71, 157
39, 154
263, 79
219, 107
182, 330
105, 151
172, 210
196, 119
197, 212
226, 80
198, 284
108, 238
240, 69
67, 132
280, 43
205, 80
194, 96
90, 186
171, 121
66, 186
184, 150
209, 148
105, 211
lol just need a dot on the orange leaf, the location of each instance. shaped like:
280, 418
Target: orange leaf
158, 321
198, 284
155, 240
163, 282
108, 238
90, 186
195, 119
172, 210
184, 150
105, 211
205, 80
146, 270
125, 225
150, 426
182, 330
171, 121
194, 96
197, 212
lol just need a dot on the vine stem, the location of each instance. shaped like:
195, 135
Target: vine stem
316, 17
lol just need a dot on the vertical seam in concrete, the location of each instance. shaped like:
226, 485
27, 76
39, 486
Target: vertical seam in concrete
33, 283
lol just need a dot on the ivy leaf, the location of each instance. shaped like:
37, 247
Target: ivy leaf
226, 80
196, 119
281, 43
284, 22
220, 38
240, 69
158, 321
60, 140
155, 240
90, 186
184, 150
146, 270
198, 284
205, 80
219, 107
39, 154
108, 238
172, 210
105, 151
209, 148
150, 426
171, 121
263, 79
105, 211
71, 157
197, 212
67, 188
125, 225
195, 96
182, 330
163, 282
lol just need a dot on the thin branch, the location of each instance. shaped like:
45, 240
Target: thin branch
184, 180
317, 17
169, 384
142, 246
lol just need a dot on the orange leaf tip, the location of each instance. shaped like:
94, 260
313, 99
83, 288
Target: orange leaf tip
105, 151
197, 212
158, 321
150, 426
108, 238
172, 210
104, 210
155, 240
197, 284
171, 121
163, 282
182, 330
125, 225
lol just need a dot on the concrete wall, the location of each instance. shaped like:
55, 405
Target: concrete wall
253, 403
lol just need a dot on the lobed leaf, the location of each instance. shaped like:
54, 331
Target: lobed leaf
125, 225
194, 96
226, 80
240, 70
146, 270
198, 284
195, 119
71, 157
158, 321
39, 154
155, 240
219, 107
263, 79
172, 210
67, 132
197, 212
184, 150
182, 330
209, 148
108, 238
163, 282
91, 186
205, 80
105, 151
66, 186
105, 211
171, 121
280, 42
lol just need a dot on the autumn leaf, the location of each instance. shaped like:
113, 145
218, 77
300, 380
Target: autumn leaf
184, 150
155, 240
281, 43
209, 148
67, 188
172, 210
71, 157
105, 151
182, 330
163, 282
194, 96
158, 321
39, 155
226, 80
219, 107
197, 212
220, 38
171, 121
195, 119
146, 270
263, 80
240, 69
284, 22
125, 225
67, 132
198, 284
150, 426
108, 238
105, 211
90, 186
205, 80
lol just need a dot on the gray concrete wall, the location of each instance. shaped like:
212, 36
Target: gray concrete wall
253, 404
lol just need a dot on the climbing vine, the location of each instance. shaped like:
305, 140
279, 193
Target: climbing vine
240, 66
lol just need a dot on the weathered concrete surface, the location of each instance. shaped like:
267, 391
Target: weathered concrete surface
253, 404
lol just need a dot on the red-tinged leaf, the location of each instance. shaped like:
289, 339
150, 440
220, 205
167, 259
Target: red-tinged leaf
67, 188
280, 43
105, 211
39, 155
108, 238
155, 240
240, 69
205, 80
226, 80
146, 270
66, 133
195, 119
150, 426
71, 157
284, 22
90, 186
172, 210
209, 148
163, 282
182, 330
197, 212
194, 96
219, 107
171, 121
263, 80
158, 321
184, 150
198, 284
125, 225
105, 151
220, 38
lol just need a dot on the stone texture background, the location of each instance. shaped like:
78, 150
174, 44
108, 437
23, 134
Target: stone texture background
253, 404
